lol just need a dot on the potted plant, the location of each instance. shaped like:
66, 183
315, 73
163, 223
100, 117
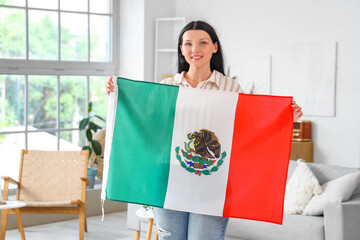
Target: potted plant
93, 145
145, 212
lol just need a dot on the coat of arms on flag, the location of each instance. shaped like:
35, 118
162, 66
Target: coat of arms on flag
210, 152
202, 153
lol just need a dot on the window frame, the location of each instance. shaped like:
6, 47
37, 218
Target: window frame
60, 68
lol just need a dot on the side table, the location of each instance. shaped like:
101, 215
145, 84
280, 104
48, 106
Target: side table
146, 214
9, 205
304, 150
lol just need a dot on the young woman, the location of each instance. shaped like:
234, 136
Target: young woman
200, 65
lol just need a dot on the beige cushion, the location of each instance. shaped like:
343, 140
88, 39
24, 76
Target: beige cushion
300, 188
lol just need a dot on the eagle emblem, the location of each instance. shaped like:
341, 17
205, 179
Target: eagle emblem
201, 153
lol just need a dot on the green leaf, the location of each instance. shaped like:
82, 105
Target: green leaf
177, 149
206, 172
178, 157
89, 135
90, 107
94, 126
83, 123
223, 155
96, 146
220, 162
87, 148
185, 146
214, 169
97, 116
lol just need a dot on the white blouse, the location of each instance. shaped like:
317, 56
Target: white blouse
217, 81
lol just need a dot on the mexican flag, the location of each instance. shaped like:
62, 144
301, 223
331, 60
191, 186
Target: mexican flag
210, 152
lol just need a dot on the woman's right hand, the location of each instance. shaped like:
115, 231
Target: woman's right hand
109, 85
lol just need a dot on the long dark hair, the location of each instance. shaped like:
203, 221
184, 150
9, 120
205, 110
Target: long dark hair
216, 62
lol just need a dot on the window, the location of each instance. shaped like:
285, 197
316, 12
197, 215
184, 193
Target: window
55, 56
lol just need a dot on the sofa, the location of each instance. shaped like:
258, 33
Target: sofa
340, 221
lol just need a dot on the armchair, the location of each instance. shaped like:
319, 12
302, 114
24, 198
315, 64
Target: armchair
50, 182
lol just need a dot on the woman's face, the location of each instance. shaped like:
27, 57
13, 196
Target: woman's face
198, 48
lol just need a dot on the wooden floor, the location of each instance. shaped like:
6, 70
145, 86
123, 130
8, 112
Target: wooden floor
112, 228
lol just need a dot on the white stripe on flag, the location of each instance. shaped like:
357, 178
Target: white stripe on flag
214, 111
110, 121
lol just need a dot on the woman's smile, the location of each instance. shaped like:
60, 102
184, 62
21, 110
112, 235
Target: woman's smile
196, 57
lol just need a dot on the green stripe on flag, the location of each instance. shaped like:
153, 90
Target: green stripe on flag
141, 148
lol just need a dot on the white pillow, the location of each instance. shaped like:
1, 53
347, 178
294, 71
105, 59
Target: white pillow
334, 191
300, 188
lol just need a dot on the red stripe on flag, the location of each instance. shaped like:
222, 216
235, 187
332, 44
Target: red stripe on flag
259, 158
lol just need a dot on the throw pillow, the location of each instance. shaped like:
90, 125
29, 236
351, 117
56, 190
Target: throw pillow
302, 185
334, 191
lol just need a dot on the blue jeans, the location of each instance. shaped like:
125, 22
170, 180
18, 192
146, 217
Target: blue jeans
177, 225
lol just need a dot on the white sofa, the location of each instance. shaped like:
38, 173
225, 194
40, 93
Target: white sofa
341, 221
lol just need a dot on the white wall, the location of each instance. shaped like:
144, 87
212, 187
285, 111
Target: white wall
249, 25
154, 9
132, 31
246, 26
137, 39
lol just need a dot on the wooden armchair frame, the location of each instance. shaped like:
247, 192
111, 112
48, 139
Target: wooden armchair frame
72, 206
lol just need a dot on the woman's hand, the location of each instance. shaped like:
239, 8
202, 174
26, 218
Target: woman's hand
297, 111
109, 85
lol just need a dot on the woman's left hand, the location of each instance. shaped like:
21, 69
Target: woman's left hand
297, 111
